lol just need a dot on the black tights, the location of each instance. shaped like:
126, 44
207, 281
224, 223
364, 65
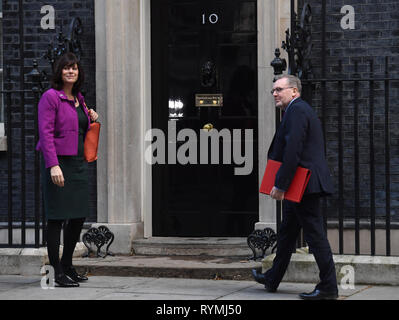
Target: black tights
72, 230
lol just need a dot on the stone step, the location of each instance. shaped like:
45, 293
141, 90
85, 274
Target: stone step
177, 257
372, 270
29, 261
195, 267
176, 246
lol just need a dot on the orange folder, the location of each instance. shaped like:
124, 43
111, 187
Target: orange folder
298, 184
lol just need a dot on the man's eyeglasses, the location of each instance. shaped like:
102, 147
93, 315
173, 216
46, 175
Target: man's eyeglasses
278, 90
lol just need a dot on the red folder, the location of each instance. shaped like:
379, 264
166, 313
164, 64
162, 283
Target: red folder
298, 184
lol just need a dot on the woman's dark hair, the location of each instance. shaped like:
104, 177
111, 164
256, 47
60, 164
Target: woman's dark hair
66, 60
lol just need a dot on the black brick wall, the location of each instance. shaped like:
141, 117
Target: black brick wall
35, 43
376, 35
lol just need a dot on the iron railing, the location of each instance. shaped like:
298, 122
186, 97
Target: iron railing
362, 133
27, 172
358, 119
24, 209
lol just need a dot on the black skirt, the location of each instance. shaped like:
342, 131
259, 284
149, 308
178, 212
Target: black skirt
72, 200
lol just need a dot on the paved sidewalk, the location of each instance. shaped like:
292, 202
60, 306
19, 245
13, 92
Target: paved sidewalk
143, 288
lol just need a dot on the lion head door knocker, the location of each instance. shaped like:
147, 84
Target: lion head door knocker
208, 74
99, 237
261, 240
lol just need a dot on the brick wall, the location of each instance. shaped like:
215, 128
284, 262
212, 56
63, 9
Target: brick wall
35, 43
375, 36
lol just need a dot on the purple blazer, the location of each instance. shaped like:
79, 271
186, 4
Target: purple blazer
58, 126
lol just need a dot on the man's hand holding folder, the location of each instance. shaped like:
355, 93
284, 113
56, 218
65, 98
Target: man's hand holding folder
296, 188
277, 194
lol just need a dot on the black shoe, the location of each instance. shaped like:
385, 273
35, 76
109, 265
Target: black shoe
270, 289
63, 281
71, 273
316, 294
260, 278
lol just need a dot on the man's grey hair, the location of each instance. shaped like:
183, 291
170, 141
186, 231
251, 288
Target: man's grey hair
293, 81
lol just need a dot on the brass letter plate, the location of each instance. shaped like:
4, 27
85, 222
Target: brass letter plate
209, 100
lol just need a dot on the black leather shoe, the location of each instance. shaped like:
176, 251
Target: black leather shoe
71, 272
260, 278
270, 289
316, 294
63, 281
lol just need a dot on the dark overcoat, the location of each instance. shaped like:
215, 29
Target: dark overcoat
299, 142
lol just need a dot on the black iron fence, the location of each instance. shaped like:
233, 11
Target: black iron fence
356, 102
360, 124
358, 118
24, 220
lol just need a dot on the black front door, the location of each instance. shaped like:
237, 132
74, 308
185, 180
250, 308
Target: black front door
204, 75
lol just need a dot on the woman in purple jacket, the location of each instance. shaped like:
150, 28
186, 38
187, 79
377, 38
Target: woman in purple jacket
63, 123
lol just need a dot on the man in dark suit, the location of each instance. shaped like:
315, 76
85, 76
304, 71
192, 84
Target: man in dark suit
299, 142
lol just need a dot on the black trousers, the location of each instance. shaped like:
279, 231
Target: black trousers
304, 215
72, 230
